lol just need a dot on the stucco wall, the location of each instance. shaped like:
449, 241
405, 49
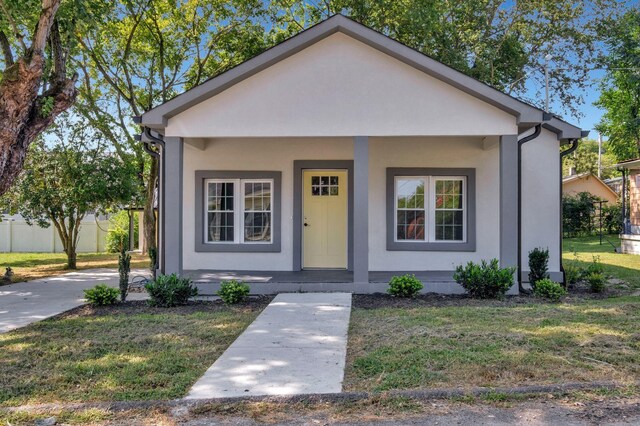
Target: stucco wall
591, 185
541, 198
279, 154
340, 87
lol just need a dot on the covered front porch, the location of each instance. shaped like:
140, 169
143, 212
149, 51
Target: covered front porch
273, 282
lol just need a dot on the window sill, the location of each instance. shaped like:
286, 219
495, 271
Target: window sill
238, 248
430, 246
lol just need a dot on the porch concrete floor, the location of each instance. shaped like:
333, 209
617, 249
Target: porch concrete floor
308, 276
297, 345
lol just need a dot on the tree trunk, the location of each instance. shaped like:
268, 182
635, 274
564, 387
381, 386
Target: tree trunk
71, 259
149, 211
24, 113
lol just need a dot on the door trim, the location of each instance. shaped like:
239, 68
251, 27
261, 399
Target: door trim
298, 167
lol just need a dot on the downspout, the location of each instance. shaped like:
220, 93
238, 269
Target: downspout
161, 202
573, 147
535, 134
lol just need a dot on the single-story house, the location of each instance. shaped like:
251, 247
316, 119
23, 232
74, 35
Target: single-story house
630, 238
588, 182
340, 157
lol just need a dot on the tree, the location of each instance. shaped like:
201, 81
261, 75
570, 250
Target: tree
147, 51
502, 43
620, 89
34, 85
585, 160
64, 180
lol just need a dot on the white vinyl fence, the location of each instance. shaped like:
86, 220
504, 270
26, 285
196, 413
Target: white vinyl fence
17, 236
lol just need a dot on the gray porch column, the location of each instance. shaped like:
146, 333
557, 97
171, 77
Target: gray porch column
509, 200
172, 242
361, 210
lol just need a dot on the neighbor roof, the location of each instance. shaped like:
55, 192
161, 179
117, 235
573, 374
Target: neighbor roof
527, 116
630, 164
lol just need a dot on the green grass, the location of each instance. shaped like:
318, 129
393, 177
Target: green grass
31, 266
580, 252
132, 356
394, 348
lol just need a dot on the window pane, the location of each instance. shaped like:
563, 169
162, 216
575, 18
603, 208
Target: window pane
449, 212
257, 212
220, 226
410, 193
410, 225
257, 227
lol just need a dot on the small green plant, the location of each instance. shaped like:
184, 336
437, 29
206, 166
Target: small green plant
595, 267
404, 286
170, 290
101, 295
153, 260
571, 274
548, 289
124, 267
596, 282
232, 292
538, 265
485, 280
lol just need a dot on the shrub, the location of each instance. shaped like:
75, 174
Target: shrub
124, 267
101, 295
596, 282
404, 286
612, 218
486, 280
232, 292
549, 290
571, 274
170, 290
595, 267
538, 265
577, 214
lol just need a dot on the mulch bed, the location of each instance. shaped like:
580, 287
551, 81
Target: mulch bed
135, 307
579, 293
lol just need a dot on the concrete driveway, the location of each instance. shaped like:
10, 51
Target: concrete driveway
24, 303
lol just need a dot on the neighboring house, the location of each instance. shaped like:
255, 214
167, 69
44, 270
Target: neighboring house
341, 149
615, 184
16, 235
630, 238
587, 182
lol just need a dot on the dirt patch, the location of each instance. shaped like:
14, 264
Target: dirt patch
136, 307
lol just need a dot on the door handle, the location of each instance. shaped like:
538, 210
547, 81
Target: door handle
306, 224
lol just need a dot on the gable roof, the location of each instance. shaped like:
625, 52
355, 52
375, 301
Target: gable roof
526, 115
587, 175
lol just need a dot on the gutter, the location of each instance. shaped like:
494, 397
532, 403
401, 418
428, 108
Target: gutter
159, 143
535, 134
572, 148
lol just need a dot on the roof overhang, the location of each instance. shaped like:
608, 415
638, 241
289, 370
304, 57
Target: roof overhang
526, 115
630, 164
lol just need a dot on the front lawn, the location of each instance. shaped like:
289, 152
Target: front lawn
31, 266
129, 352
580, 251
493, 345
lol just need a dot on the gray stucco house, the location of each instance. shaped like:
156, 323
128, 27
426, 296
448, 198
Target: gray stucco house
340, 157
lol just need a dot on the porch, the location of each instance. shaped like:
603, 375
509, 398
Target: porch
273, 282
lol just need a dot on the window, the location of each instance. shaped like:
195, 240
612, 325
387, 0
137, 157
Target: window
434, 214
322, 186
430, 209
239, 211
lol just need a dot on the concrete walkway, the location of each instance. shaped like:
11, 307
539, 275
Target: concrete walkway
24, 303
297, 345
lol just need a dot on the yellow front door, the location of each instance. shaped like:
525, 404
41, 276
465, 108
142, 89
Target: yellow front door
324, 219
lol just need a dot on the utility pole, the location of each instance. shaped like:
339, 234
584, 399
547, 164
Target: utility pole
546, 82
599, 154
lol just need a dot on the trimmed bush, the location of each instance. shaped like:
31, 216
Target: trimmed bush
404, 286
170, 290
571, 274
596, 282
548, 289
538, 265
101, 295
232, 292
486, 280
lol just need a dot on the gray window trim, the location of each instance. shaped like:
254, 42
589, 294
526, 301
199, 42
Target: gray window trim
298, 167
202, 246
469, 245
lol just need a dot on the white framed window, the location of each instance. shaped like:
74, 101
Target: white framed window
238, 211
430, 209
